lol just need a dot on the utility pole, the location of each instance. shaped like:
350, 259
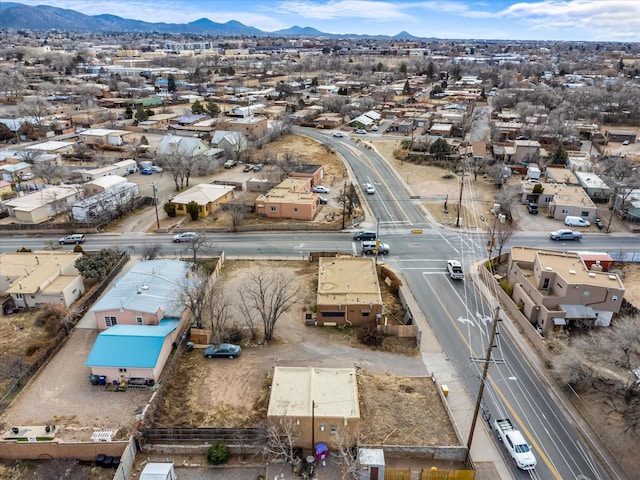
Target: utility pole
458, 219
485, 370
155, 203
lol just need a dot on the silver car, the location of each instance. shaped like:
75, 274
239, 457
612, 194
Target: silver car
185, 237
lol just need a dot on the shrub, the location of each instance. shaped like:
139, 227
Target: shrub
507, 287
170, 209
78, 249
369, 335
218, 454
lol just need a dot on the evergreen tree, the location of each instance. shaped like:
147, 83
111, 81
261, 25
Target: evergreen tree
171, 84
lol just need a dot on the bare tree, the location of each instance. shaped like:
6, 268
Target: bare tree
624, 175
269, 294
37, 110
151, 250
197, 245
237, 210
347, 446
195, 294
502, 234
181, 164
282, 436
217, 310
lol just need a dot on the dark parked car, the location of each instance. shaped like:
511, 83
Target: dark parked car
533, 208
226, 350
365, 235
599, 223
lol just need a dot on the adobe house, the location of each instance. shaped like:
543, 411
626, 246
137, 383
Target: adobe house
348, 291
557, 289
289, 199
322, 403
104, 136
314, 172
36, 278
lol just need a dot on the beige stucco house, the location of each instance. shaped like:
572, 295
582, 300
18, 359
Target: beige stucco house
558, 290
36, 278
321, 403
291, 198
348, 291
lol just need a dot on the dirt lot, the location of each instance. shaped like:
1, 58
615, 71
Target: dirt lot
234, 393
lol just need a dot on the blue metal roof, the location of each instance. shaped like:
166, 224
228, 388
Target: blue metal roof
130, 346
148, 286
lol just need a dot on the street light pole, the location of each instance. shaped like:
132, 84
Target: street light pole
485, 370
155, 203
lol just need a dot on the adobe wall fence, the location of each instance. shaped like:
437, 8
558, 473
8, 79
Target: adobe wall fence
85, 451
512, 311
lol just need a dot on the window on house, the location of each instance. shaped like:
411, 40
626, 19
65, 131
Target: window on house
295, 209
545, 284
110, 321
334, 429
366, 314
139, 321
122, 370
323, 427
274, 209
584, 214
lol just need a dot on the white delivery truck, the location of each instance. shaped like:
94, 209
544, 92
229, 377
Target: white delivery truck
515, 443
158, 471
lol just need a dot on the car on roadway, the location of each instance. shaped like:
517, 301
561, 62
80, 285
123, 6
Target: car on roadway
224, 350
361, 131
185, 237
365, 235
73, 238
374, 248
368, 188
320, 189
338, 134
565, 234
455, 270
146, 171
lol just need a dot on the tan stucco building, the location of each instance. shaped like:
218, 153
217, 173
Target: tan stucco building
557, 289
322, 403
348, 291
36, 278
291, 198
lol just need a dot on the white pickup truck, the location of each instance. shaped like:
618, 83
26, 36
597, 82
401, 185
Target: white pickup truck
515, 443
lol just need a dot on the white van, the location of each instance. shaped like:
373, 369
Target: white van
570, 221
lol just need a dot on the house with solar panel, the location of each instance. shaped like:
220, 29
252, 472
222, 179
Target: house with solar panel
140, 320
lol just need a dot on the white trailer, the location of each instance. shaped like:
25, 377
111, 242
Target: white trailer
515, 444
158, 471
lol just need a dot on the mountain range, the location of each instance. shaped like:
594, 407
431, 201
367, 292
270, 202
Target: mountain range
42, 17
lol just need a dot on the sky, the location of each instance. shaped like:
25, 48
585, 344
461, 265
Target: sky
572, 20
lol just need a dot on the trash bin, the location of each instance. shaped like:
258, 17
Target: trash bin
102, 380
93, 379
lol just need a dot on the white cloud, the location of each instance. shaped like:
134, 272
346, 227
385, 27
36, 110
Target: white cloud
613, 19
370, 10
